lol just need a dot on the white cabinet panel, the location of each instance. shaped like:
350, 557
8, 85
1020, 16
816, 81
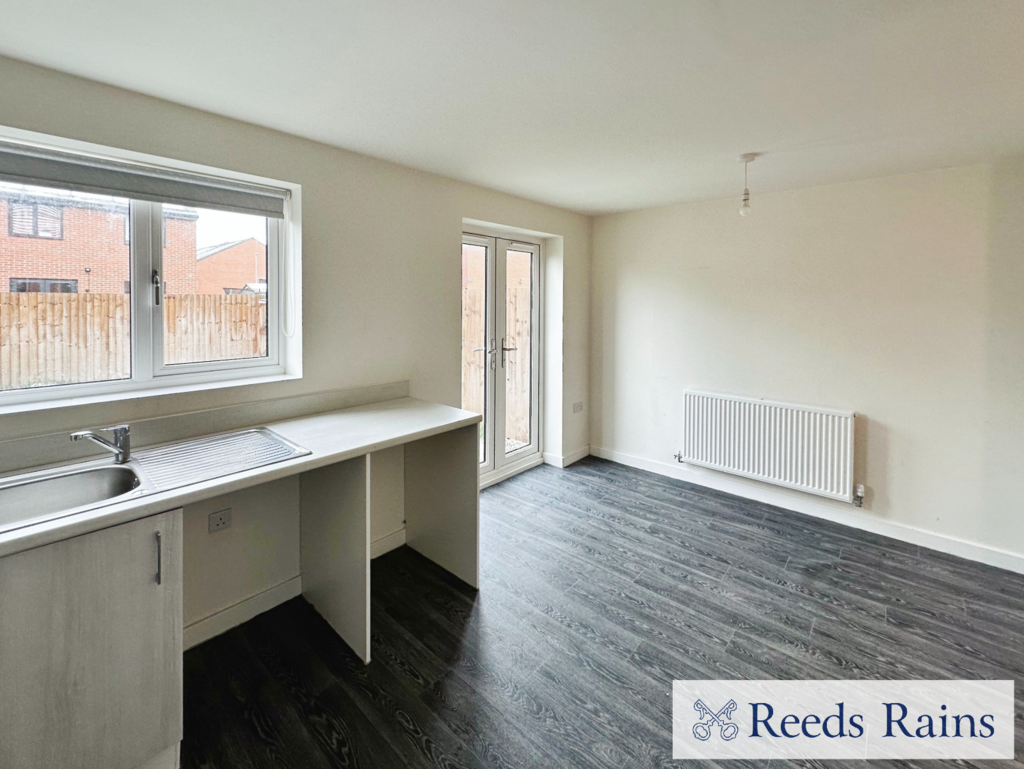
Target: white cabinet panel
90, 648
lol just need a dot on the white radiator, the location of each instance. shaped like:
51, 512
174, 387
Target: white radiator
801, 447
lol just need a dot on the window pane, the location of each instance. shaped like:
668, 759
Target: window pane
518, 366
65, 317
48, 221
22, 218
475, 357
215, 285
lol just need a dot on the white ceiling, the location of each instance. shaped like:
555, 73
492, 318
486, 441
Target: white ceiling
593, 105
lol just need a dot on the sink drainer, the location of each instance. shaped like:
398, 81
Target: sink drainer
203, 459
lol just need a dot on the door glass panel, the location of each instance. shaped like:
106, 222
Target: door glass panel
65, 274
215, 284
518, 362
475, 360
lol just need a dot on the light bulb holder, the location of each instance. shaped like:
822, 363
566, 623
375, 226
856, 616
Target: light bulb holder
746, 158
745, 209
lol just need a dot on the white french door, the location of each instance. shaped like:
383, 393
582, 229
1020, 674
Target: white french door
501, 350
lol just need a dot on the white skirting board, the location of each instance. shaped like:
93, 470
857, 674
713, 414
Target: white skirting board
387, 544
568, 459
243, 611
972, 551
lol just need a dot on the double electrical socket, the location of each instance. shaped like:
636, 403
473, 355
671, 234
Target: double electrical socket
220, 520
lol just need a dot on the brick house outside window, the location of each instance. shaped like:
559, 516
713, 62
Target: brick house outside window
75, 244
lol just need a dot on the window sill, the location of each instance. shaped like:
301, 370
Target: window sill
142, 392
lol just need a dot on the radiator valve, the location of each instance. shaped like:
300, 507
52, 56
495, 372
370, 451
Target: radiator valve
679, 457
858, 495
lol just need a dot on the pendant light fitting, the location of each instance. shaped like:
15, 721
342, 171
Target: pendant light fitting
746, 159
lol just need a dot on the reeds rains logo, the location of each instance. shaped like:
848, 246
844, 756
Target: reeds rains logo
843, 719
702, 729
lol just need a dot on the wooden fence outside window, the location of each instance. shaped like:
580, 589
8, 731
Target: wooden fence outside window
53, 339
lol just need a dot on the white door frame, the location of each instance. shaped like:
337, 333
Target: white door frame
498, 465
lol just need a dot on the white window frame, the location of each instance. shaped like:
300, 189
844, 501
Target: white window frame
150, 375
153, 265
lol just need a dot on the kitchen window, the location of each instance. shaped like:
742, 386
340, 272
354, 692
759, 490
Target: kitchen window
160, 279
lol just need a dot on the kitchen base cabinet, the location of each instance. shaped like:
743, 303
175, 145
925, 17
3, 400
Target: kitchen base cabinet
91, 650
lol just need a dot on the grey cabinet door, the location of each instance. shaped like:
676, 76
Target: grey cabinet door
90, 648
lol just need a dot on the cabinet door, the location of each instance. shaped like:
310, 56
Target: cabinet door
90, 648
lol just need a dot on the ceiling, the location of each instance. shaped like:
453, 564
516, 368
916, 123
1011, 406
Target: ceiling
592, 105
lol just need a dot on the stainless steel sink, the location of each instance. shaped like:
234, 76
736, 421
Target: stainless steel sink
36, 496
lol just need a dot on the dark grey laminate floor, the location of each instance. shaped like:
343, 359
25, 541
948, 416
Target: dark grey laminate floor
600, 585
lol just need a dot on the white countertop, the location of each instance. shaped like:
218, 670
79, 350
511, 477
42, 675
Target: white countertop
331, 437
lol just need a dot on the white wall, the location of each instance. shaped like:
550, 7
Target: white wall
259, 551
387, 493
576, 330
551, 381
901, 298
381, 245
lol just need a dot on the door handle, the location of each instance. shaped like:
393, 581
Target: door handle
504, 350
159, 559
488, 352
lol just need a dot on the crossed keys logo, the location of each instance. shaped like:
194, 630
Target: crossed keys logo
702, 729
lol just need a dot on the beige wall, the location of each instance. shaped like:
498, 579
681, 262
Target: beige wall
381, 244
901, 298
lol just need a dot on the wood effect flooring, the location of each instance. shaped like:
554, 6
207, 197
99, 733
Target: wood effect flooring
600, 585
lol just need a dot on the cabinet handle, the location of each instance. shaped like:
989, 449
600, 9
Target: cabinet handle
159, 559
